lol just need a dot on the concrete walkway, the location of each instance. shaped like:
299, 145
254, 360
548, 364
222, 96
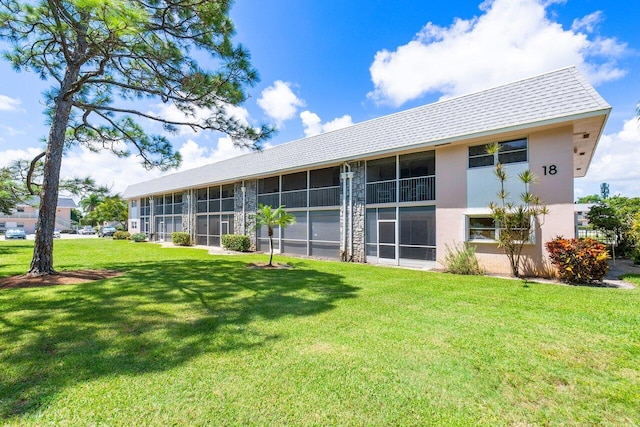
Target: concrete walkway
621, 267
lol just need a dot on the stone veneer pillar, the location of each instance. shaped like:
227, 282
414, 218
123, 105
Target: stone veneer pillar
188, 213
357, 212
359, 200
250, 207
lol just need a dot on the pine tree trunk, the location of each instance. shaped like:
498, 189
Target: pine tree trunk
42, 261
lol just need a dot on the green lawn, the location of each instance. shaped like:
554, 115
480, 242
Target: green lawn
184, 338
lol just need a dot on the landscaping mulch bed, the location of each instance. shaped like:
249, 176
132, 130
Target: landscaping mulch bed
266, 266
61, 278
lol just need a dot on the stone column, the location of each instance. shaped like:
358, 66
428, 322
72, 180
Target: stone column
355, 237
250, 206
188, 213
359, 201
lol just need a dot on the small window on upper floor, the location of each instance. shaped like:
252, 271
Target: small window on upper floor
19, 209
510, 152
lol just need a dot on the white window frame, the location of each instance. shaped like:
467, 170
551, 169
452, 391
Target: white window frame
497, 155
468, 228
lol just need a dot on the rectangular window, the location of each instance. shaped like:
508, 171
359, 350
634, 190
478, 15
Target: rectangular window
481, 228
269, 185
294, 181
418, 164
381, 169
20, 209
485, 229
510, 152
327, 177
134, 224
325, 225
298, 230
418, 233
214, 192
228, 191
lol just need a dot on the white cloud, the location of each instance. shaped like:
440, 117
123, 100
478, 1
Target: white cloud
511, 39
617, 162
118, 173
8, 156
279, 102
313, 124
172, 113
194, 155
587, 23
9, 104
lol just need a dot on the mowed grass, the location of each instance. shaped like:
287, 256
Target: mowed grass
185, 338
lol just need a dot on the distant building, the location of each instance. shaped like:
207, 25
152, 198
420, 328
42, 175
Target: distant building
397, 189
25, 216
581, 210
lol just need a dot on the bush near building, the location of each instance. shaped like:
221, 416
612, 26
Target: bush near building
579, 261
139, 237
235, 242
180, 238
121, 235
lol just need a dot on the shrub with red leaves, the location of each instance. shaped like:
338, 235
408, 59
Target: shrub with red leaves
579, 260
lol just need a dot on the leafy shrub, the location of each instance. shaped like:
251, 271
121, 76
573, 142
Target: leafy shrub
235, 242
461, 259
579, 260
139, 237
121, 235
180, 238
635, 256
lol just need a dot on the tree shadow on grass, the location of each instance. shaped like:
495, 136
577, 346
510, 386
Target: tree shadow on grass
157, 316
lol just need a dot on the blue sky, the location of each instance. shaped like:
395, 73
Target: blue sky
327, 64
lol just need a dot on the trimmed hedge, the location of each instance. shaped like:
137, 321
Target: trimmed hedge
121, 235
579, 260
235, 242
180, 238
139, 237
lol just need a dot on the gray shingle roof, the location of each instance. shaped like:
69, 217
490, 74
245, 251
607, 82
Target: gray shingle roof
554, 97
63, 202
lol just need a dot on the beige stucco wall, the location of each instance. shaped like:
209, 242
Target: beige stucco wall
29, 218
546, 148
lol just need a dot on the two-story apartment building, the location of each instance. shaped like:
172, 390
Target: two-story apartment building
397, 189
25, 216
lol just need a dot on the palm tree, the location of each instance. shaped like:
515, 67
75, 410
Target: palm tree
90, 202
267, 216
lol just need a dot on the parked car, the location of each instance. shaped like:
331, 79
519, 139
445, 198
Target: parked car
87, 229
15, 233
106, 231
56, 234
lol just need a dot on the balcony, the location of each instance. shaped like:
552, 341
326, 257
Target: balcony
294, 199
381, 192
326, 196
418, 189
272, 199
21, 215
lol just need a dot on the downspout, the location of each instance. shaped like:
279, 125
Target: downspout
343, 176
152, 219
349, 176
244, 198
192, 210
